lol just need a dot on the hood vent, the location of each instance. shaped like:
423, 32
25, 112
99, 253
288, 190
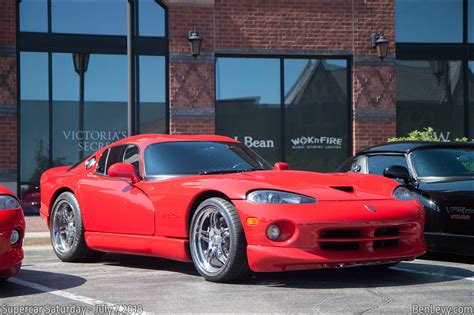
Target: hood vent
347, 189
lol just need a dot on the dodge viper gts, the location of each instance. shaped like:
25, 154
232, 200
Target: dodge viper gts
441, 175
213, 201
12, 230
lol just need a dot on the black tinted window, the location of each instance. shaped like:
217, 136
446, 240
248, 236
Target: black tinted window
115, 155
132, 156
186, 158
102, 162
443, 162
378, 163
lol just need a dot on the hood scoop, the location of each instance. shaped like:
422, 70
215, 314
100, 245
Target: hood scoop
347, 189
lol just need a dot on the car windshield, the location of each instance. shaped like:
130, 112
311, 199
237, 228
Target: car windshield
200, 158
446, 162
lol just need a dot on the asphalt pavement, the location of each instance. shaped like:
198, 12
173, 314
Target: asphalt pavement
133, 284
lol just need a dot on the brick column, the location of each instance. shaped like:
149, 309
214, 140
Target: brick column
191, 91
8, 95
373, 80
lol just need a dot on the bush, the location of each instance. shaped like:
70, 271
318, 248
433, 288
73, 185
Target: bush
427, 134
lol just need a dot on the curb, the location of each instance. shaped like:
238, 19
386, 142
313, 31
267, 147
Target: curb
36, 239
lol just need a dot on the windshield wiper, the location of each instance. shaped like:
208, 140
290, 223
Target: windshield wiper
227, 171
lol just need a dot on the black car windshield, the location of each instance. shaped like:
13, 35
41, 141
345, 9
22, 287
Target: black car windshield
444, 162
200, 158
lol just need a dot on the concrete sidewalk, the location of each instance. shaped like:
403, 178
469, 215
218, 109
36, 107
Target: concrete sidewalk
37, 233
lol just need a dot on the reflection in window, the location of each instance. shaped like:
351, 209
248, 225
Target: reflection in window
33, 16
434, 21
152, 94
248, 103
471, 99
470, 20
34, 116
316, 113
430, 93
105, 17
151, 18
82, 125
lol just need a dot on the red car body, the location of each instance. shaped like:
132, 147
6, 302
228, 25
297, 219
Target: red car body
352, 222
11, 256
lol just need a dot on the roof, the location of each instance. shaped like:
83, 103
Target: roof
408, 146
145, 139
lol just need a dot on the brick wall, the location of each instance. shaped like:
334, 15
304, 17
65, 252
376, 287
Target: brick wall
8, 92
299, 27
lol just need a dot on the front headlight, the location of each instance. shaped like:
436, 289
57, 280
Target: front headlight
8, 202
277, 197
402, 193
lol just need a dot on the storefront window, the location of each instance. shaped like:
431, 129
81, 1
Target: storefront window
151, 18
83, 126
470, 21
316, 113
152, 94
314, 103
248, 103
105, 17
471, 99
430, 94
33, 16
434, 21
34, 112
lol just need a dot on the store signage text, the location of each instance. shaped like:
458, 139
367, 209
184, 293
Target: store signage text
93, 140
309, 142
255, 143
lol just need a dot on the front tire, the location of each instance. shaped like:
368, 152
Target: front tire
67, 231
217, 242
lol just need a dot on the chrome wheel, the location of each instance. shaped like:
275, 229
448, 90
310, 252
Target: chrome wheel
211, 241
63, 227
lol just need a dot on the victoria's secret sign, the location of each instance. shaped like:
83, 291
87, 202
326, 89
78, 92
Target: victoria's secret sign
93, 140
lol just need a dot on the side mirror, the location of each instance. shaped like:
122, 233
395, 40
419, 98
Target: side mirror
281, 166
123, 170
397, 172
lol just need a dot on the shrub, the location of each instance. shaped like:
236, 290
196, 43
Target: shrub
427, 134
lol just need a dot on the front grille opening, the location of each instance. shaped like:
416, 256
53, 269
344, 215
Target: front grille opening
340, 234
339, 246
387, 231
385, 244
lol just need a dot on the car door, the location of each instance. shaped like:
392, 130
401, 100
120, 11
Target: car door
114, 205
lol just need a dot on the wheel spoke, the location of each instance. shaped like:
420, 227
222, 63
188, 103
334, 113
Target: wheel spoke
213, 220
204, 235
220, 256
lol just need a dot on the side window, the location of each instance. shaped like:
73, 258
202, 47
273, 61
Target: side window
352, 165
132, 156
346, 166
100, 169
378, 163
115, 156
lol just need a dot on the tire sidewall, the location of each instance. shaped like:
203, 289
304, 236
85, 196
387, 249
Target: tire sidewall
72, 201
234, 242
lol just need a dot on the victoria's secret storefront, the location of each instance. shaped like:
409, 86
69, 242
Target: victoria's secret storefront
296, 81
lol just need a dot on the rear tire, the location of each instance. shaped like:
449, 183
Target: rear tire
217, 242
67, 231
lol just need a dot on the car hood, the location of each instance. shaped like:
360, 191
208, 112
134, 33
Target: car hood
334, 186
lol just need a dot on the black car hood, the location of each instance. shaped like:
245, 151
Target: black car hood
449, 186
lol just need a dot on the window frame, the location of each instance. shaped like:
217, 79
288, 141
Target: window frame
463, 52
282, 57
50, 42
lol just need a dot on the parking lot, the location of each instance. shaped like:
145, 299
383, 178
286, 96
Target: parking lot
156, 285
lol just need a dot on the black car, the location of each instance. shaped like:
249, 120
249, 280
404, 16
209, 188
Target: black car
441, 174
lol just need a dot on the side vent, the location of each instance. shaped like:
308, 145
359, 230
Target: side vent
347, 189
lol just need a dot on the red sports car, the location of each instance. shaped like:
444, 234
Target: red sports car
213, 201
12, 230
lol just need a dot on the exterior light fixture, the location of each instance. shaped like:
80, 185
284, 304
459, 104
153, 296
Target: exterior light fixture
381, 43
194, 42
81, 62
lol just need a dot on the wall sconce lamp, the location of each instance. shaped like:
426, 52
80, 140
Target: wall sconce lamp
195, 42
381, 43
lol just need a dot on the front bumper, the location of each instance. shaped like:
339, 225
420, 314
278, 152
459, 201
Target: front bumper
333, 234
450, 243
11, 256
